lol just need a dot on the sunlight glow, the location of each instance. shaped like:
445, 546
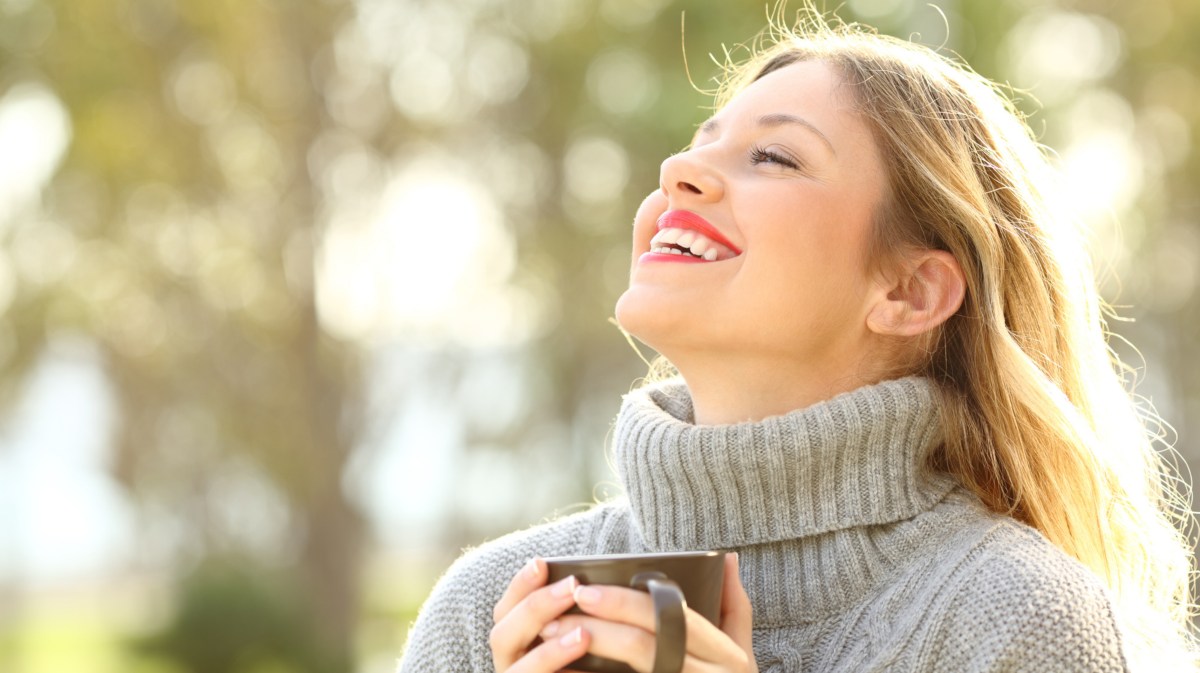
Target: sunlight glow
61, 514
1103, 172
1053, 52
432, 263
34, 132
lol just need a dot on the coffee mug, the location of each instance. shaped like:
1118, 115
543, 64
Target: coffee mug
673, 580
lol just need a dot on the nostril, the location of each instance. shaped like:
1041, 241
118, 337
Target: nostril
690, 187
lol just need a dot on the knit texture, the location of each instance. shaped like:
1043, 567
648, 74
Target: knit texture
856, 557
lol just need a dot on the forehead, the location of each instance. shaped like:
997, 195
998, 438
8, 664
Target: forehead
812, 89
816, 92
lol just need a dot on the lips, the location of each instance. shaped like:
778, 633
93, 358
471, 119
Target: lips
686, 219
687, 237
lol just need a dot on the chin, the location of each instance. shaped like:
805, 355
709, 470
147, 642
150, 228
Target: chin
627, 312
645, 318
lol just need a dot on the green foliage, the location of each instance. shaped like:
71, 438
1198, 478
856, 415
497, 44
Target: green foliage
214, 141
178, 236
237, 618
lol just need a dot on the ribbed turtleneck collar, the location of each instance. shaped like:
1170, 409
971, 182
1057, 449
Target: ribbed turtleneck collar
854, 460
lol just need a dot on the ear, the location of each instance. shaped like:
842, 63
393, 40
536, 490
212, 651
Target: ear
927, 292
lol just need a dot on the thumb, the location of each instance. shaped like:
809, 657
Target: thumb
736, 613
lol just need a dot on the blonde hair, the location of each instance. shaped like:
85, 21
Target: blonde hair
1038, 423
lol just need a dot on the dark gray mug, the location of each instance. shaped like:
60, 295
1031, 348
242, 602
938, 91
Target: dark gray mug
674, 580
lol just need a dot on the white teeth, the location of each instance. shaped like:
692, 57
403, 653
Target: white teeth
670, 241
669, 236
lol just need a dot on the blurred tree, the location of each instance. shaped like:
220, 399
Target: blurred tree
179, 235
215, 144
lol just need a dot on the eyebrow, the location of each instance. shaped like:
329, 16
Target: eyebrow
774, 120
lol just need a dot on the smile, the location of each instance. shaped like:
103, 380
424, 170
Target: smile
686, 234
675, 241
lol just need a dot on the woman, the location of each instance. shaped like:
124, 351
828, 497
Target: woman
894, 401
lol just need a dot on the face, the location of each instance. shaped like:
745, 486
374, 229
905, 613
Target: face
774, 200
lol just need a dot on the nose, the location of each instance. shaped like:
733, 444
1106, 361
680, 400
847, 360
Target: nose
687, 176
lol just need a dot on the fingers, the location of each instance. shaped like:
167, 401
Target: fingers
636, 647
513, 634
618, 623
552, 655
632, 608
610, 640
518, 623
531, 576
629, 606
737, 616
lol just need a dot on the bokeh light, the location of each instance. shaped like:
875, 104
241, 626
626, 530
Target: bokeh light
321, 290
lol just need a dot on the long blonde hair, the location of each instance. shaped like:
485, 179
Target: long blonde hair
1038, 423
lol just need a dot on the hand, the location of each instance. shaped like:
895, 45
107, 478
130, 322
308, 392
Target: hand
620, 623
524, 610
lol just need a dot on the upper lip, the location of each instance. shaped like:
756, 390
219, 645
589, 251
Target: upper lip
686, 219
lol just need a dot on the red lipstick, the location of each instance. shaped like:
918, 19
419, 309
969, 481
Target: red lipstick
686, 219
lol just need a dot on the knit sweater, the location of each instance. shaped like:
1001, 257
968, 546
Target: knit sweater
856, 557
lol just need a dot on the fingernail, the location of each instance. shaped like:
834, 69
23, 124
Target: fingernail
564, 588
572, 638
587, 595
530, 570
550, 630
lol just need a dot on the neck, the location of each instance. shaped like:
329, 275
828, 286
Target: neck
736, 392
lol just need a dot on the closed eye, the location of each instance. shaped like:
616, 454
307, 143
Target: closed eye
759, 155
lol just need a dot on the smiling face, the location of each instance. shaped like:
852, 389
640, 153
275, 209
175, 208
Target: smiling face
783, 182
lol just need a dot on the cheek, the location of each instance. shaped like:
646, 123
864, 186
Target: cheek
645, 221
821, 249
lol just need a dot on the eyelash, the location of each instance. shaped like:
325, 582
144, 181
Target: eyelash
758, 155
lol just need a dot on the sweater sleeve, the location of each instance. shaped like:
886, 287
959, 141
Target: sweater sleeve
450, 634
1026, 610
452, 627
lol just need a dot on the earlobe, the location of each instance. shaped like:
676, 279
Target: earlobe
925, 295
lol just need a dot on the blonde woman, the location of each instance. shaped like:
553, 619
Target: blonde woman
894, 402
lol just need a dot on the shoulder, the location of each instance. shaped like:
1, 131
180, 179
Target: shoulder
486, 570
1021, 604
450, 634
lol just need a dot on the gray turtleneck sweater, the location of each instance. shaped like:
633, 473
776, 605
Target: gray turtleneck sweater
856, 557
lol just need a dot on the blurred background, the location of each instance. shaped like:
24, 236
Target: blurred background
299, 298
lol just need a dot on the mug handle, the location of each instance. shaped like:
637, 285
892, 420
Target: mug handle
670, 641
